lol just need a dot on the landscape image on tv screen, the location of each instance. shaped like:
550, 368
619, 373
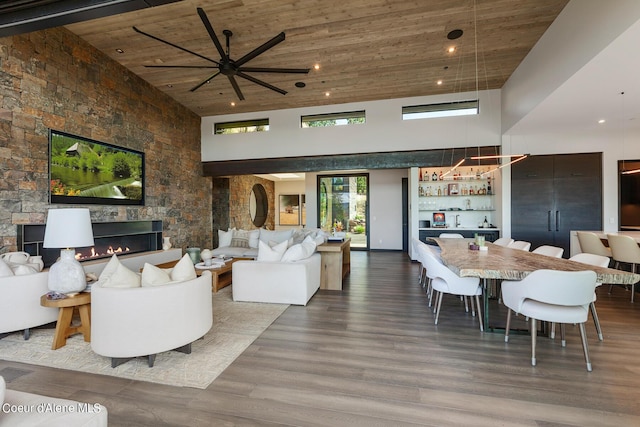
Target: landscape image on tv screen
85, 171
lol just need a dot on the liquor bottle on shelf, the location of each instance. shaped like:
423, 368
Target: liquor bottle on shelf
478, 173
440, 177
419, 174
489, 186
485, 223
434, 176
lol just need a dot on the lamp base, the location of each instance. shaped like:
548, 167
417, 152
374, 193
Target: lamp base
67, 275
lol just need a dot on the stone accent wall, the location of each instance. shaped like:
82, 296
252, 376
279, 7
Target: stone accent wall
53, 79
231, 203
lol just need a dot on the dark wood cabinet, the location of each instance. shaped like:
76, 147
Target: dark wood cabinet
554, 194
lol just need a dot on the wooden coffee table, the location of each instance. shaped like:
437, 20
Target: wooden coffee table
220, 277
80, 302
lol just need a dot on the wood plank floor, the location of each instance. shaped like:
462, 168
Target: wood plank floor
371, 356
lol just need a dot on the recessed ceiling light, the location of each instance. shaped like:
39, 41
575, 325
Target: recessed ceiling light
119, 50
169, 85
316, 67
327, 94
300, 84
601, 121
452, 49
439, 82
455, 34
233, 104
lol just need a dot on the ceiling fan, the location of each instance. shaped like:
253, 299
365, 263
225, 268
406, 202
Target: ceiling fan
227, 66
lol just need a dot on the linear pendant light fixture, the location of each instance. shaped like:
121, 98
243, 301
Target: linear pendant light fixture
514, 158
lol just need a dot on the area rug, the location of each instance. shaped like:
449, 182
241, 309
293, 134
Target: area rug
235, 326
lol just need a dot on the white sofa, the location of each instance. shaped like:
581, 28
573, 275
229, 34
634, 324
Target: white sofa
285, 282
144, 321
20, 303
19, 409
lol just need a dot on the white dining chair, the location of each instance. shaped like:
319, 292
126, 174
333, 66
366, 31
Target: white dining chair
503, 241
548, 250
553, 296
446, 281
425, 252
626, 250
590, 243
598, 261
520, 244
451, 236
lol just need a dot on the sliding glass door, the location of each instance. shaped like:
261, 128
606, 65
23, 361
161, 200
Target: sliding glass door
343, 206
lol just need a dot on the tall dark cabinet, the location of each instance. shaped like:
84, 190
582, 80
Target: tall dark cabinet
554, 194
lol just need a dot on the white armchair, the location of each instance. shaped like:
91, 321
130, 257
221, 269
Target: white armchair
144, 321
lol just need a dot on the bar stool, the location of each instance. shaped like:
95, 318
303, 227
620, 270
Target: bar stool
590, 243
552, 251
624, 249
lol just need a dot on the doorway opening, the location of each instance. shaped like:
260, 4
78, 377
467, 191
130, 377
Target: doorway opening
343, 206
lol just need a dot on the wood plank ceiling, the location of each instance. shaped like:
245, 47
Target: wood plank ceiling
366, 49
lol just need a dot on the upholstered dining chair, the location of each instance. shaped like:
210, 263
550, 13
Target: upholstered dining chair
446, 281
624, 249
451, 236
503, 241
598, 261
520, 244
590, 243
548, 250
552, 296
425, 252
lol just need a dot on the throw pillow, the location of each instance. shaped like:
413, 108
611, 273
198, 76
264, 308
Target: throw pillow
122, 277
276, 236
268, 253
300, 251
110, 268
23, 269
240, 239
184, 270
154, 276
5, 270
224, 237
254, 238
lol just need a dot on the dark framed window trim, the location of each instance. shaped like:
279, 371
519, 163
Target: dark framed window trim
445, 109
244, 126
333, 119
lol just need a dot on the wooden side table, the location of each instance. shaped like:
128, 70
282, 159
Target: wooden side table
81, 303
336, 264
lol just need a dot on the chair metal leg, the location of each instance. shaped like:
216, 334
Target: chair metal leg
438, 303
479, 313
466, 305
534, 334
430, 290
552, 332
585, 346
563, 339
506, 329
633, 286
594, 314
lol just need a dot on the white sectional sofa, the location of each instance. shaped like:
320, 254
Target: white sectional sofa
244, 243
284, 282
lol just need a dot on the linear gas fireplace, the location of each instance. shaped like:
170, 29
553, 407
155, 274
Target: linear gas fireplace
126, 237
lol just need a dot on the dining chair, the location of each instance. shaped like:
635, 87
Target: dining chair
503, 241
624, 249
451, 236
590, 243
552, 251
520, 244
446, 281
552, 296
598, 261
425, 252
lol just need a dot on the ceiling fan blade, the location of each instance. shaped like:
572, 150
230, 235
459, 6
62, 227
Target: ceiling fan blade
260, 49
212, 34
234, 83
174, 45
260, 82
275, 70
207, 80
180, 66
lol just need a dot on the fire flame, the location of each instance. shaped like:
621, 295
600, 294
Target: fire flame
95, 254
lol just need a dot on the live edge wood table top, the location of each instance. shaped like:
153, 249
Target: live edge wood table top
514, 264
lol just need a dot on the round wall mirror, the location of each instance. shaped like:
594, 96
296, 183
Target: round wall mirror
258, 205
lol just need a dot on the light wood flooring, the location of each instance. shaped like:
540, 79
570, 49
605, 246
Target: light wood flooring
371, 356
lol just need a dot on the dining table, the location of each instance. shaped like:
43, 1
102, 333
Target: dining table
503, 263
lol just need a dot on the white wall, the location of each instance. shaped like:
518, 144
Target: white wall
384, 130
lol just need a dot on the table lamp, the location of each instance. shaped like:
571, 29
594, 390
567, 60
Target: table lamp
67, 229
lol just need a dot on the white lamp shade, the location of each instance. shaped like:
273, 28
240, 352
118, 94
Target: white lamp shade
68, 228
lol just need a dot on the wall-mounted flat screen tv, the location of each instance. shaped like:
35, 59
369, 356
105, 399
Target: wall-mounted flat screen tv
84, 171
